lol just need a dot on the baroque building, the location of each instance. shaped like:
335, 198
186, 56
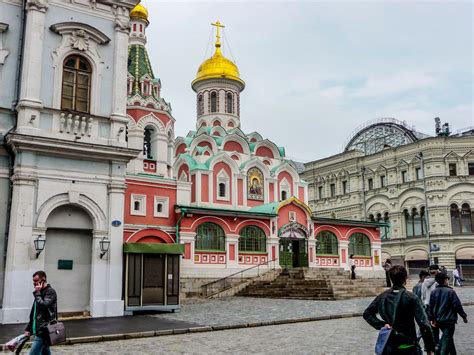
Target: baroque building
63, 73
421, 186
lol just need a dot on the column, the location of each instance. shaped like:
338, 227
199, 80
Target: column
107, 272
232, 250
344, 254
30, 101
119, 96
187, 261
21, 260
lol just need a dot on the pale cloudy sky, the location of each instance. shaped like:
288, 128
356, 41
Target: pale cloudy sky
316, 70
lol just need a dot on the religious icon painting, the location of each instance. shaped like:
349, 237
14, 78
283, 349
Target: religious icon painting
255, 185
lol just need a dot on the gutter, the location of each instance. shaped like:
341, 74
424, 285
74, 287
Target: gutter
21, 48
178, 226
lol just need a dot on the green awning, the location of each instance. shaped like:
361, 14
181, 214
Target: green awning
153, 248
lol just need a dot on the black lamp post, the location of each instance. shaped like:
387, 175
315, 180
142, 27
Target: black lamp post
39, 243
104, 245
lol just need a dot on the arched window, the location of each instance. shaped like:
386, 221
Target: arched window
147, 149
252, 239
387, 230
222, 190
229, 103
359, 244
213, 101
136, 205
284, 195
415, 222
200, 105
371, 218
466, 219
76, 85
327, 243
210, 236
455, 219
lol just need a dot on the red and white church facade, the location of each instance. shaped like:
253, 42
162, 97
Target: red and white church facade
227, 199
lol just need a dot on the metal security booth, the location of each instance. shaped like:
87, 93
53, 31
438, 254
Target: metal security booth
152, 276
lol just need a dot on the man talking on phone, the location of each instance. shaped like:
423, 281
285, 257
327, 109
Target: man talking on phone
43, 311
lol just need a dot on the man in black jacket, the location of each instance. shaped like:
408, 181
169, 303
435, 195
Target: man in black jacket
408, 309
43, 311
443, 313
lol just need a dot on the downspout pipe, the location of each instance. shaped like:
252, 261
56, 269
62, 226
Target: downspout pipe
11, 154
178, 225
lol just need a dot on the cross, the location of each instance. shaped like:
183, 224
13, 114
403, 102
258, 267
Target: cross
218, 26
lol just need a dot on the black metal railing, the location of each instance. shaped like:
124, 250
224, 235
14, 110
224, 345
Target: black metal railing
225, 283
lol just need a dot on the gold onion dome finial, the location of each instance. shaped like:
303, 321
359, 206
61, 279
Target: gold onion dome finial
139, 11
218, 66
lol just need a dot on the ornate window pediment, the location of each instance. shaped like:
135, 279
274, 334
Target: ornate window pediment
79, 34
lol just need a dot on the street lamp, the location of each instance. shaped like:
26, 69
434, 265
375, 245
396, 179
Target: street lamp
422, 161
104, 245
39, 244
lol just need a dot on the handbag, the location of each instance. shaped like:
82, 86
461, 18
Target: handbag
384, 333
56, 332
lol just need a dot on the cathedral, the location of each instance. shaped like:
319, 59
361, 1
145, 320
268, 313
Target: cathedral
97, 190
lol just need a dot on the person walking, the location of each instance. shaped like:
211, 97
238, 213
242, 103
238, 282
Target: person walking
443, 313
417, 288
457, 277
428, 286
43, 311
399, 309
386, 267
352, 266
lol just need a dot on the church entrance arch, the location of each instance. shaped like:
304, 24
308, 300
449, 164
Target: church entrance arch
68, 254
293, 245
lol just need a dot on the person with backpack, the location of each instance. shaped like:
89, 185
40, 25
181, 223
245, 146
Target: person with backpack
443, 313
398, 310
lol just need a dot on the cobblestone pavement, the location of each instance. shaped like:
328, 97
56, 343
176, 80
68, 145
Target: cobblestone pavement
338, 336
238, 310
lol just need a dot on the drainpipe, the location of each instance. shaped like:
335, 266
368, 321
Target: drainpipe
21, 46
364, 217
178, 225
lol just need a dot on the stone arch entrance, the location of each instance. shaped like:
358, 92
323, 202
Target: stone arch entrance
68, 257
293, 245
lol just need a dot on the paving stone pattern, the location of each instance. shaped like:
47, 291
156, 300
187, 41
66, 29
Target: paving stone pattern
338, 336
238, 310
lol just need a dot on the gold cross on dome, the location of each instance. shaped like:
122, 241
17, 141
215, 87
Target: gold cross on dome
218, 26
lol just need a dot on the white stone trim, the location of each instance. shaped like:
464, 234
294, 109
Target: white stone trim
142, 200
164, 201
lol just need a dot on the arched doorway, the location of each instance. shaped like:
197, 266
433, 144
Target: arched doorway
68, 254
293, 245
416, 261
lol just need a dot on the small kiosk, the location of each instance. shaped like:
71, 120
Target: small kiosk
152, 276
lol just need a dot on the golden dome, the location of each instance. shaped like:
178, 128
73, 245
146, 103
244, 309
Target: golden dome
139, 11
218, 66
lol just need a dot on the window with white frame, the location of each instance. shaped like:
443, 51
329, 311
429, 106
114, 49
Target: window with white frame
161, 207
138, 205
284, 190
223, 184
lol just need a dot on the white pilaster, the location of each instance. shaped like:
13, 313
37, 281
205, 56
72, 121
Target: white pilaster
21, 261
30, 100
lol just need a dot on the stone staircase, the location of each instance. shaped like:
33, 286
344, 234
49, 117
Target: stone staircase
315, 284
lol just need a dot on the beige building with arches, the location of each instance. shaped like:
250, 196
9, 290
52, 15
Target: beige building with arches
389, 172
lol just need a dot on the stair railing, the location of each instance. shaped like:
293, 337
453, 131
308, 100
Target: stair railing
226, 283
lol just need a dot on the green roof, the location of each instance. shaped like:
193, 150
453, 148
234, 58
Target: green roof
153, 248
138, 66
266, 208
225, 211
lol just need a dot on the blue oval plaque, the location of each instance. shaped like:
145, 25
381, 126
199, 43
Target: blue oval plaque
116, 223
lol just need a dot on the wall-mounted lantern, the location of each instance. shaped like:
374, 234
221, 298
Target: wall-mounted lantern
104, 245
39, 243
